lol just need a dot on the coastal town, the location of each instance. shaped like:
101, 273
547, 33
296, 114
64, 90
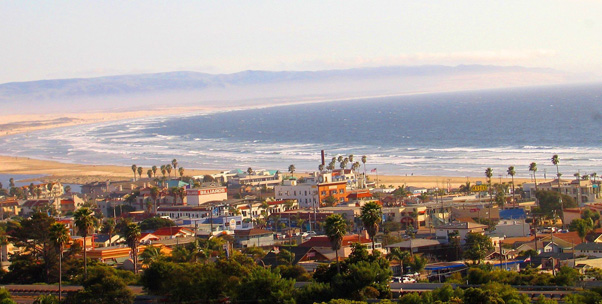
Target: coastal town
308, 228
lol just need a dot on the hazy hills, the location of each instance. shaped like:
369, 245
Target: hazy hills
258, 87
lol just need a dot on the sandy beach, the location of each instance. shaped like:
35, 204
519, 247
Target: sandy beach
80, 174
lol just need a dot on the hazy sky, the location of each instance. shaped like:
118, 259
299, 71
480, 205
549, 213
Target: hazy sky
63, 39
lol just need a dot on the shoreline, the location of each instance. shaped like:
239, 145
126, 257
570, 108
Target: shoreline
69, 173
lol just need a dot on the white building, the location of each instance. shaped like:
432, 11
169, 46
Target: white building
459, 228
199, 196
512, 228
306, 194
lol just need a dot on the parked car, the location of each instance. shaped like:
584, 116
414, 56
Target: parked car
396, 280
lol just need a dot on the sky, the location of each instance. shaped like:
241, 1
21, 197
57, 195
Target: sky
68, 39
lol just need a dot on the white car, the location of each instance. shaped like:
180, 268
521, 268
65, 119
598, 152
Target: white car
407, 280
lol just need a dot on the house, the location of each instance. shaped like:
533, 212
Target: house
173, 232
307, 257
417, 246
476, 211
323, 243
257, 178
30, 206
589, 249
148, 238
103, 240
253, 237
458, 228
9, 207
580, 190
512, 228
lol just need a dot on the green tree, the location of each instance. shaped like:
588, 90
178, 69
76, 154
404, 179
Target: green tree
5, 297
292, 169
85, 221
140, 170
168, 168
478, 246
552, 202
399, 255
335, 228
104, 286
151, 254
174, 163
181, 171
264, 286
583, 227
149, 173
371, 217
47, 299
154, 169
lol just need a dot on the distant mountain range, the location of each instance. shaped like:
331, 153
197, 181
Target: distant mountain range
273, 85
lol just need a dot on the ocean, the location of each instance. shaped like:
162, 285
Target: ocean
448, 134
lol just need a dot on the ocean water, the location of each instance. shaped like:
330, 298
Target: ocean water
450, 134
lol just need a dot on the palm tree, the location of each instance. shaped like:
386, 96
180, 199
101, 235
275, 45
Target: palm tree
163, 170
174, 163
291, 169
85, 221
249, 170
340, 159
555, 162
154, 193
108, 227
371, 216
130, 233
321, 167
59, 236
151, 254
335, 228
364, 159
134, 167
168, 168
11, 182
149, 173
489, 174
350, 158
139, 169
533, 168
181, 171
154, 168
512, 172
399, 255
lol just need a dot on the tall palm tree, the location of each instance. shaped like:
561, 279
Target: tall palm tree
149, 173
174, 163
59, 235
350, 158
139, 169
340, 159
154, 193
489, 174
335, 228
321, 167
512, 172
163, 170
154, 168
291, 169
364, 159
131, 233
399, 255
85, 221
181, 171
371, 216
555, 162
134, 167
533, 168
168, 168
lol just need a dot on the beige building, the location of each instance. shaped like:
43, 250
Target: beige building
199, 196
581, 191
